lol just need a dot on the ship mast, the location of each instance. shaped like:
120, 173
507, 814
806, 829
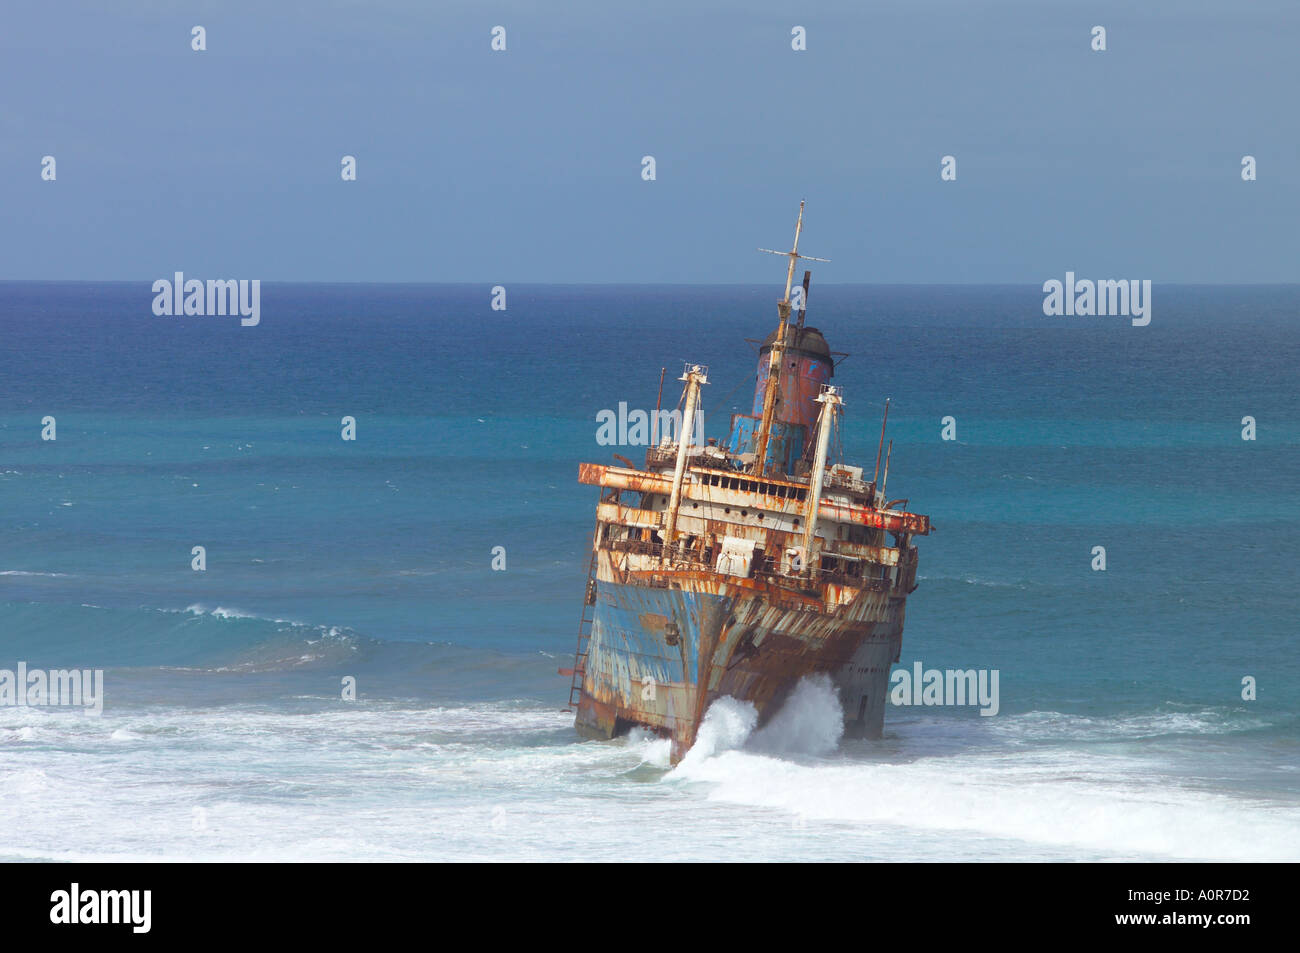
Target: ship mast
830, 400
693, 376
778, 349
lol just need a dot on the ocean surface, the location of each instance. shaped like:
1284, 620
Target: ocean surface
1122, 732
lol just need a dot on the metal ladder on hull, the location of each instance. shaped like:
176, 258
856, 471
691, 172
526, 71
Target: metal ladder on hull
584, 636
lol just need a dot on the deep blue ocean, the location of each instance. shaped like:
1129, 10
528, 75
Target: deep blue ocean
1122, 732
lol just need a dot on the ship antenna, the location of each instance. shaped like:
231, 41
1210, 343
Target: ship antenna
778, 348
885, 481
880, 449
659, 403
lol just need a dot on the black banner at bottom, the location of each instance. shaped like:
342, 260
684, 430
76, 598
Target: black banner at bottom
920, 903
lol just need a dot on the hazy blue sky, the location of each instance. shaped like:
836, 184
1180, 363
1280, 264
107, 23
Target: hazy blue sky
525, 165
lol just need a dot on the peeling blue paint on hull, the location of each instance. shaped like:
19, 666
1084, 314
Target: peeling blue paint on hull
659, 656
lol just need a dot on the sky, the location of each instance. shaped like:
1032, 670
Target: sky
526, 164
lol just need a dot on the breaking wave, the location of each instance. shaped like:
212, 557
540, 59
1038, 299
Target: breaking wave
198, 637
726, 726
1035, 784
810, 722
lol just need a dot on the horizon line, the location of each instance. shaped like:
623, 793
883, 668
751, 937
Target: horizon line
651, 284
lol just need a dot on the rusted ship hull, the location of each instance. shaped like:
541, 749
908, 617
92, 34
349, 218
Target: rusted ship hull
739, 568
730, 640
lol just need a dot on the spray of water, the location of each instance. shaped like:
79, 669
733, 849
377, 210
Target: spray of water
810, 722
649, 747
726, 726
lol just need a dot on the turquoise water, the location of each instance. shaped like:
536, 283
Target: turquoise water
1122, 730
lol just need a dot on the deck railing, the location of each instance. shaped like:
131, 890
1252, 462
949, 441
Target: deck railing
765, 568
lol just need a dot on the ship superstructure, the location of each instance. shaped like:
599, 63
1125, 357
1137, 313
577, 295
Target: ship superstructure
738, 569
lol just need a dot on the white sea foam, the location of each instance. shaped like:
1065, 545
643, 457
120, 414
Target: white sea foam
1055, 799
810, 722
24, 782
1041, 726
23, 735
726, 726
508, 780
649, 747
222, 612
1066, 802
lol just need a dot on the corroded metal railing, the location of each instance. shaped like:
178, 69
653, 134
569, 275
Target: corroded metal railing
765, 568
